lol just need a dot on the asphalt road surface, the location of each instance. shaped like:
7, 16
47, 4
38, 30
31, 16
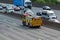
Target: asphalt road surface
12, 29
57, 12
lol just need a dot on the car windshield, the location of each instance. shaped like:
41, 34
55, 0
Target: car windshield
47, 8
51, 14
28, 2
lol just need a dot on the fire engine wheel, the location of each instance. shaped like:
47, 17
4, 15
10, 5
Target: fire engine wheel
29, 25
34, 26
24, 23
38, 26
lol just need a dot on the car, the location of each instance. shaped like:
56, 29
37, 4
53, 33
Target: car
47, 14
16, 8
4, 6
9, 9
46, 8
2, 10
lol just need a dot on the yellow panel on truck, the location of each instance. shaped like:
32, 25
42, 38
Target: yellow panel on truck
30, 21
37, 21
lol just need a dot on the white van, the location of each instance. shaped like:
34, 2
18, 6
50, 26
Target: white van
48, 14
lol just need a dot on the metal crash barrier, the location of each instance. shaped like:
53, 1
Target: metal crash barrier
50, 23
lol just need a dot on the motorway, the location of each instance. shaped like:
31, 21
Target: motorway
11, 29
57, 12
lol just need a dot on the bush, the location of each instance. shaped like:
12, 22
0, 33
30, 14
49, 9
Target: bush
57, 3
40, 1
33, 0
53, 2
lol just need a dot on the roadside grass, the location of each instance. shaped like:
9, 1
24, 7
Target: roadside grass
53, 2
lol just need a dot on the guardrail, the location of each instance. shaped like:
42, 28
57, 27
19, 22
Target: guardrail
50, 23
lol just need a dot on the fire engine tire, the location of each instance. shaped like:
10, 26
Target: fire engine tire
24, 23
38, 26
29, 25
34, 26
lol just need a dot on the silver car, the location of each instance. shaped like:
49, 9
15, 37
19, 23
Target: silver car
2, 10
9, 9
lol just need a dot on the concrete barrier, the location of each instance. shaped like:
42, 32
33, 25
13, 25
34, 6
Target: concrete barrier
50, 23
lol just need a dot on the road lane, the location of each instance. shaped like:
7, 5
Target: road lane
12, 29
36, 9
57, 12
